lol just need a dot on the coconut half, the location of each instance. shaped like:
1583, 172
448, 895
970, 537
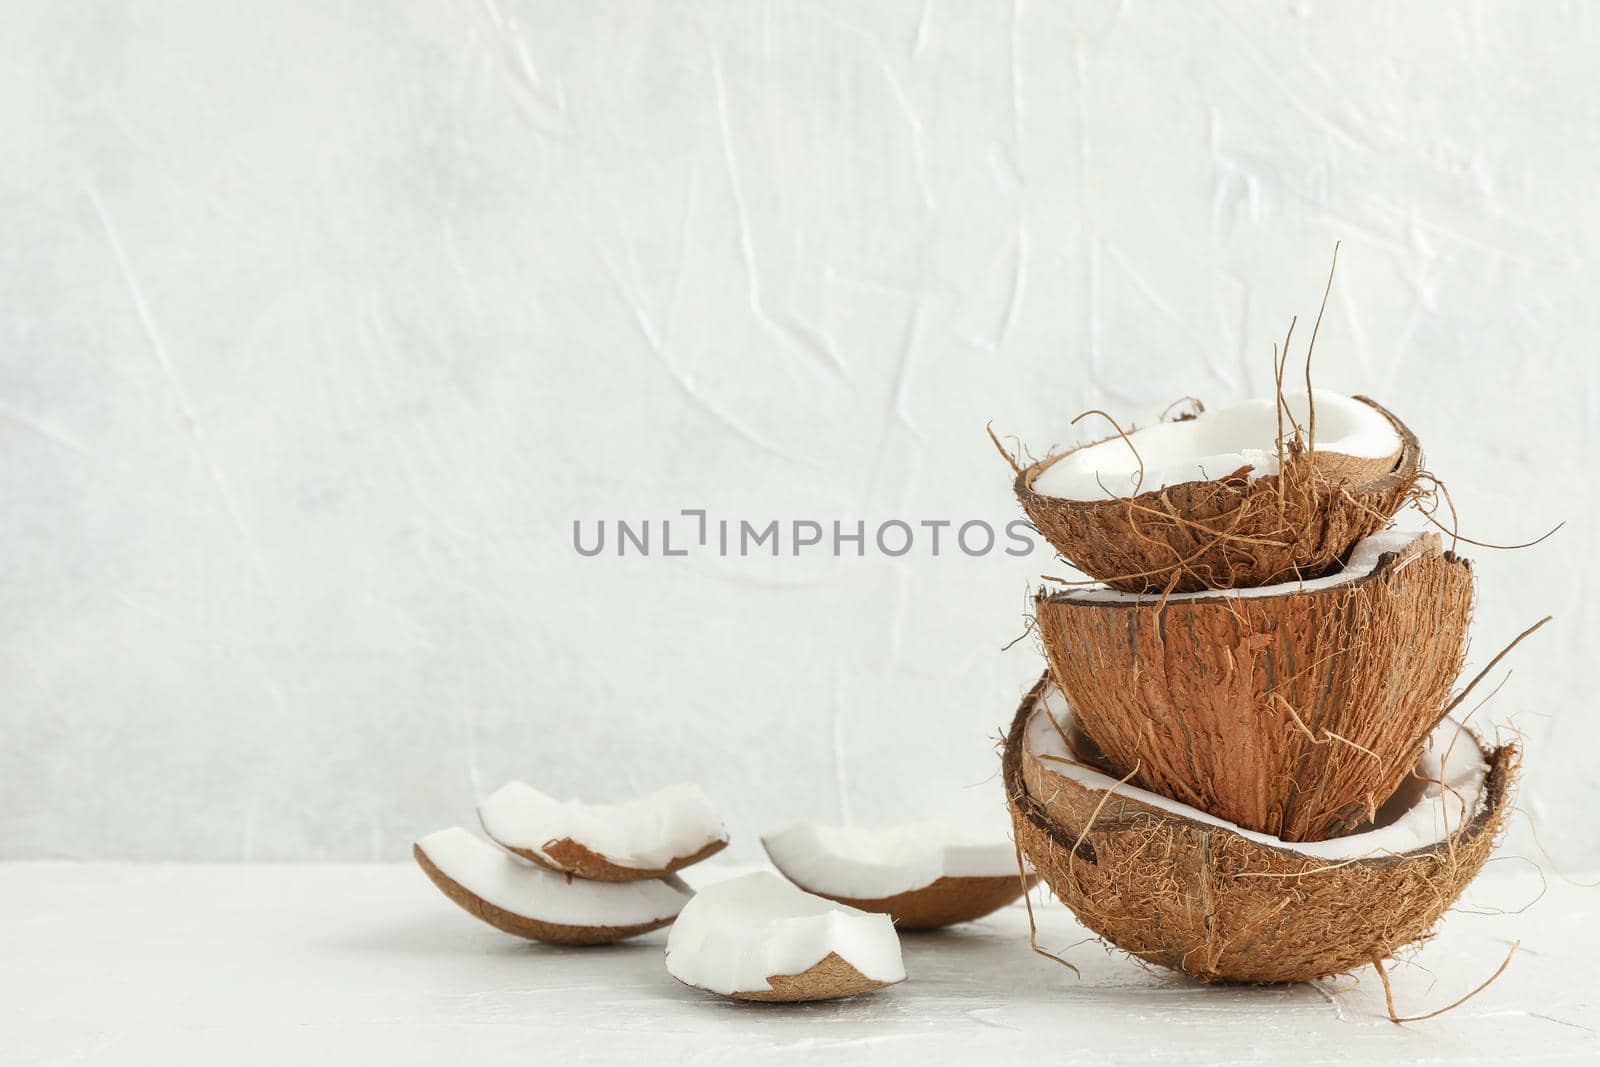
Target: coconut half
1352, 437
759, 938
648, 837
1181, 888
1217, 504
922, 875
1293, 709
539, 904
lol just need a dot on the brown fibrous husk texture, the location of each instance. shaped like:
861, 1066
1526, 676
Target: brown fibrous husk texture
1206, 901
1295, 714
1231, 532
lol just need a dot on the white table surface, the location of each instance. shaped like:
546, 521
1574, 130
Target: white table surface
209, 964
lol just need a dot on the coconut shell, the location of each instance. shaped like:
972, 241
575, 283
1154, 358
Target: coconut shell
569, 857
522, 925
942, 902
830, 978
1230, 532
1207, 901
1295, 714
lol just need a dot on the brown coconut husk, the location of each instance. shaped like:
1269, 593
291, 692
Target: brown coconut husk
1295, 714
523, 925
942, 902
1230, 532
569, 857
1206, 901
830, 978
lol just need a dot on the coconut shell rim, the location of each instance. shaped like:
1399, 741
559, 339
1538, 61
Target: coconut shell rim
1501, 763
1385, 562
1407, 462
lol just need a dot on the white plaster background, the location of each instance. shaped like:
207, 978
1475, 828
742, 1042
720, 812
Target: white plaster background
322, 322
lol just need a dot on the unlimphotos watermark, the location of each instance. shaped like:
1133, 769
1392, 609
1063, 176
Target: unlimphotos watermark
693, 531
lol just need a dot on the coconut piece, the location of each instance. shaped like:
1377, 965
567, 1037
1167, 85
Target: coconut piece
922, 875
648, 837
536, 903
1178, 887
1293, 709
1352, 437
1216, 507
759, 938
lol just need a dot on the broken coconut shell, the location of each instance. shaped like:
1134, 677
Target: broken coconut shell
943, 902
650, 836
830, 978
538, 904
569, 857
1231, 531
1295, 709
922, 875
757, 937
1178, 888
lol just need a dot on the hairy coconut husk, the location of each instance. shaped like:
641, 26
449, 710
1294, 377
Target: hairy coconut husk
1230, 532
569, 857
1206, 900
523, 925
1295, 713
943, 902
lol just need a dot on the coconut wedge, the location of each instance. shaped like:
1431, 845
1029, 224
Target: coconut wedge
1212, 502
1293, 709
1180, 888
649, 837
759, 938
922, 875
539, 904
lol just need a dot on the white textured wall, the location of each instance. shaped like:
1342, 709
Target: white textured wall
320, 323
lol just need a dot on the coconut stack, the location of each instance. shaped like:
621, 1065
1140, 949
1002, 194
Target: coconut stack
1241, 761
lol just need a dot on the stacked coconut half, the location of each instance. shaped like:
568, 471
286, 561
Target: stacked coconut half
1240, 762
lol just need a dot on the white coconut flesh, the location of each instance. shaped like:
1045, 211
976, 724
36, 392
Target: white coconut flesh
533, 892
1405, 544
646, 833
1215, 445
736, 934
1446, 790
870, 863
